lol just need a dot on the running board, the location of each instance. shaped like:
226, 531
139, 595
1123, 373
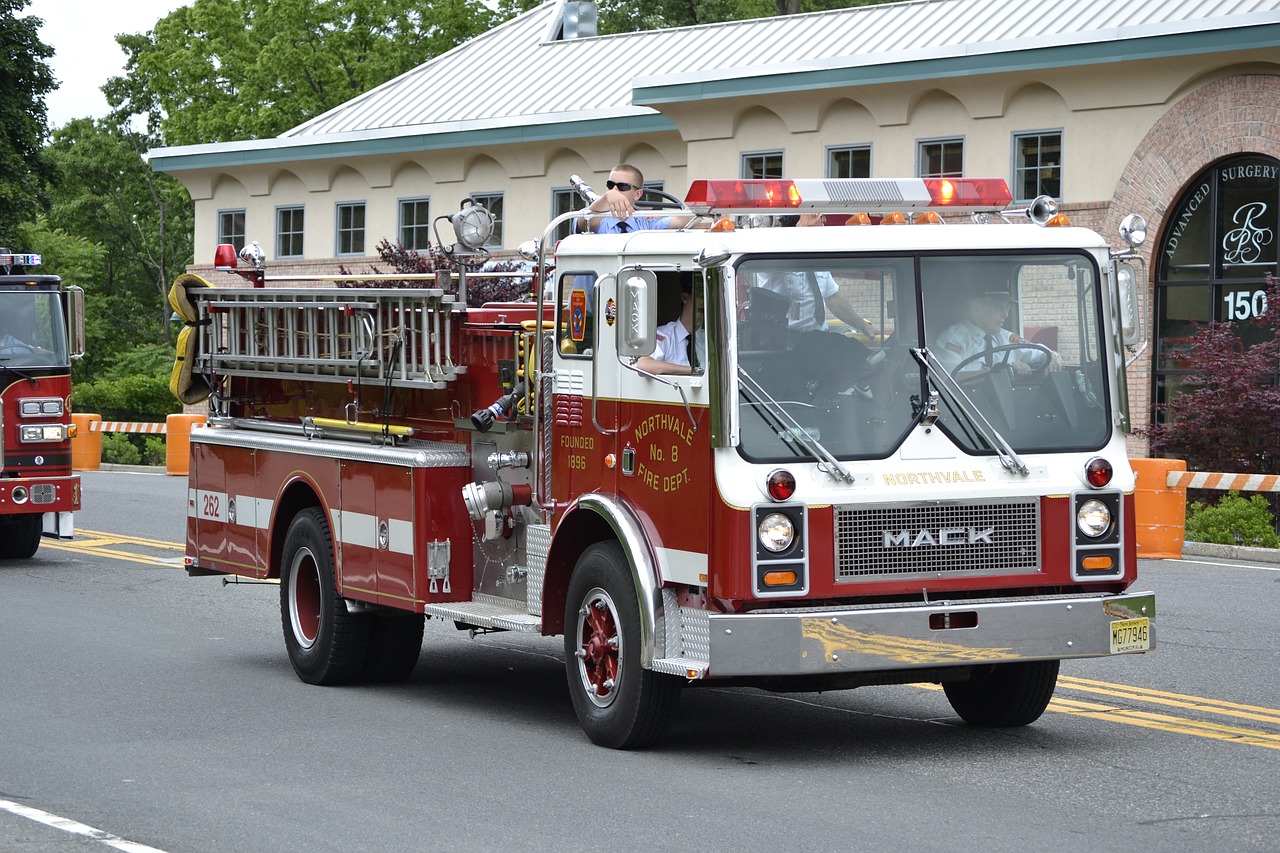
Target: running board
484, 614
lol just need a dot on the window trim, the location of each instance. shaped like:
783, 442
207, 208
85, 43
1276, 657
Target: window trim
338, 207
400, 226
941, 140
1014, 153
244, 224
743, 156
828, 150
301, 233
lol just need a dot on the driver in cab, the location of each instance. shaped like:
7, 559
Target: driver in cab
982, 333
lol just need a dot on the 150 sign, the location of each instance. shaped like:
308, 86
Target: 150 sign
1244, 304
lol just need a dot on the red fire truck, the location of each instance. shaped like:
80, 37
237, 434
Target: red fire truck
837, 490
41, 329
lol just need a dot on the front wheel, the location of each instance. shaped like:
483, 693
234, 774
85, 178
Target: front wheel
619, 703
326, 643
1004, 695
20, 536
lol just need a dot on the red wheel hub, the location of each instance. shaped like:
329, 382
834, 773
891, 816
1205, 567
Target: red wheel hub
600, 645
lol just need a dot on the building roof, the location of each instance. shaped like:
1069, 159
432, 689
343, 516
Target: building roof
521, 82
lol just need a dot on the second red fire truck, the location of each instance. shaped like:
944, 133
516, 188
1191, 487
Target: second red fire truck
41, 330
819, 503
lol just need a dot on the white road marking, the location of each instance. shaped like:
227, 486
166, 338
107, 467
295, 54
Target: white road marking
75, 828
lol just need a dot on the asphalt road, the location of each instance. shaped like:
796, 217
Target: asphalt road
160, 710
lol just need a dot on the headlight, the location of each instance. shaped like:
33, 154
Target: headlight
1093, 518
35, 408
776, 532
42, 432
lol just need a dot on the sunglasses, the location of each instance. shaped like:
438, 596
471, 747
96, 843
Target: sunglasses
620, 185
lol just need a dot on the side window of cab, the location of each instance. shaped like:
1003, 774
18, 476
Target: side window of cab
575, 315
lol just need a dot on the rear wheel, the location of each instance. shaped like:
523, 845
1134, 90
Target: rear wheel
326, 643
20, 536
1004, 695
395, 641
619, 704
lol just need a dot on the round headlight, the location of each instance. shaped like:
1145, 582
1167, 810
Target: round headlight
1093, 518
776, 532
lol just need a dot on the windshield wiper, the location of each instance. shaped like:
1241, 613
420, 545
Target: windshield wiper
963, 404
829, 464
27, 376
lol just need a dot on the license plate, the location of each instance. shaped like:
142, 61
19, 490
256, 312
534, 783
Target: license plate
1130, 635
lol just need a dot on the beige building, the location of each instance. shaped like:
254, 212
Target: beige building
1168, 110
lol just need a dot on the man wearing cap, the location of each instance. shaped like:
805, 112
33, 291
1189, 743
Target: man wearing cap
983, 330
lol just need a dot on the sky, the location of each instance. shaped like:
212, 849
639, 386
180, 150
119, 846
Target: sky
82, 34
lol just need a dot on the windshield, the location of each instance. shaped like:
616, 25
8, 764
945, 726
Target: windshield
32, 332
827, 349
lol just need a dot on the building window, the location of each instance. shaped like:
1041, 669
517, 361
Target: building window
288, 232
762, 164
1219, 242
231, 228
350, 228
493, 202
564, 200
940, 158
415, 223
849, 161
1037, 165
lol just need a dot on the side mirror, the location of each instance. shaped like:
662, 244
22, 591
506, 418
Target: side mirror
637, 309
1127, 298
76, 309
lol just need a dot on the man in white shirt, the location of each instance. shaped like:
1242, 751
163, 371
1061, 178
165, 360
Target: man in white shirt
983, 330
800, 288
680, 340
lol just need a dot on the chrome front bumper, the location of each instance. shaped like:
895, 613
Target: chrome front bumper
824, 641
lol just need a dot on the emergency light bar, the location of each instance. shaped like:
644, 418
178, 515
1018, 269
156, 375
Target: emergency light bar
847, 195
10, 260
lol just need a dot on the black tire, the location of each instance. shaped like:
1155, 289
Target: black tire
326, 644
395, 641
20, 536
619, 704
1004, 695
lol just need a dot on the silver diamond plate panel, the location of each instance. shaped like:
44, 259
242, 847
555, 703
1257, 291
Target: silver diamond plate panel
934, 540
538, 545
696, 630
484, 614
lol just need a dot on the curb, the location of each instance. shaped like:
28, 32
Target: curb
1234, 552
133, 469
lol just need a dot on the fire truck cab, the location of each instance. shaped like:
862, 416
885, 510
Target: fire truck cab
887, 450
41, 330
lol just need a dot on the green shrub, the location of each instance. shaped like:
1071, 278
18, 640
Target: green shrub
119, 450
154, 450
1234, 520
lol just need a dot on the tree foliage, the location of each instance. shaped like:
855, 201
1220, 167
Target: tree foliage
25, 80
1230, 419
108, 195
223, 70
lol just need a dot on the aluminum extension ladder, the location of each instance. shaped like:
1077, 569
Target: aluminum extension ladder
396, 336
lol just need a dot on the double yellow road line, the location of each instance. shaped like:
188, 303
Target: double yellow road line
94, 543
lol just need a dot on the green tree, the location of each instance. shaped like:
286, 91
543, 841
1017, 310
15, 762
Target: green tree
109, 196
25, 80
223, 70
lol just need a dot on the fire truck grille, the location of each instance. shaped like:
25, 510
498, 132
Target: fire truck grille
937, 540
43, 493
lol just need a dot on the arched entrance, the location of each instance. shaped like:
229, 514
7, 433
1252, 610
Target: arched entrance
1218, 243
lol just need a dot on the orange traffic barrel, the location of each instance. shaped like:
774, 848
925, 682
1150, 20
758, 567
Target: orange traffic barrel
86, 446
177, 444
1160, 511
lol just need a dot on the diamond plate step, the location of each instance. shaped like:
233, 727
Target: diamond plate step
484, 614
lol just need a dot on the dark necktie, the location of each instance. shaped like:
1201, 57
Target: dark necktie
692, 352
991, 342
623, 227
